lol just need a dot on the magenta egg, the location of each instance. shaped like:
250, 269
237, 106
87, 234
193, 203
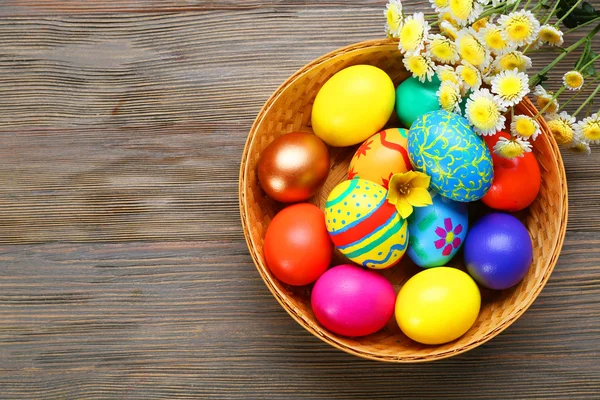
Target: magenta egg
351, 301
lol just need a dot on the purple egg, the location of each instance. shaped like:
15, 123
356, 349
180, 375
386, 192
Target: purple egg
351, 301
498, 251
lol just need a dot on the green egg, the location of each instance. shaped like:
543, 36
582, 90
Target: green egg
414, 99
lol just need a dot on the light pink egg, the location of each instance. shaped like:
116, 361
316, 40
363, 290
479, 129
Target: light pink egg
351, 301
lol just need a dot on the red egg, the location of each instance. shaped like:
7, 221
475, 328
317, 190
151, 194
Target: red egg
297, 246
516, 181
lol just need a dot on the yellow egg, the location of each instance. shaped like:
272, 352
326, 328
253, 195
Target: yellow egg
437, 305
353, 105
364, 226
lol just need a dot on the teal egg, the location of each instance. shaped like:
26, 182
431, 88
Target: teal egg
414, 99
437, 231
444, 146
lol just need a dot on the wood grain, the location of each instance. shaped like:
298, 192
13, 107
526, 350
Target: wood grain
123, 270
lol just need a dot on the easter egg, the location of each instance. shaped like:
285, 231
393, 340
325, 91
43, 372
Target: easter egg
414, 98
364, 226
351, 301
297, 246
516, 181
437, 305
437, 232
444, 146
293, 167
353, 105
381, 156
498, 251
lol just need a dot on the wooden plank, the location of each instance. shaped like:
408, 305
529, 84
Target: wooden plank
188, 319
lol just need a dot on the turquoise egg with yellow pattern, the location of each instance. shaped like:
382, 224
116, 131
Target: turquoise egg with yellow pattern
437, 231
364, 226
444, 146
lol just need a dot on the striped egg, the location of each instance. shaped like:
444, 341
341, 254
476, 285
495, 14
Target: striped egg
364, 226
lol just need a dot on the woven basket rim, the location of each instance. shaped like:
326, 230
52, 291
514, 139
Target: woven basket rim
290, 308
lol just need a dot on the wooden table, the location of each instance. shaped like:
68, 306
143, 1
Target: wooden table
124, 272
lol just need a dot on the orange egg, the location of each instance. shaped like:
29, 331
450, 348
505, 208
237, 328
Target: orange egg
381, 156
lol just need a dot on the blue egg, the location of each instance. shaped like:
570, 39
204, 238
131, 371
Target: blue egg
437, 231
444, 146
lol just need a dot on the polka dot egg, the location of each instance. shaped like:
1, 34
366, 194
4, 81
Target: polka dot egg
364, 226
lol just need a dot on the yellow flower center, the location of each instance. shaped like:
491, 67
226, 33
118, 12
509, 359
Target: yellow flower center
542, 101
470, 76
411, 34
471, 50
449, 237
448, 98
525, 127
511, 150
494, 40
510, 87
511, 61
519, 28
393, 18
484, 113
440, 3
479, 24
418, 65
461, 9
443, 50
446, 75
591, 130
573, 79
562, 131
549, 35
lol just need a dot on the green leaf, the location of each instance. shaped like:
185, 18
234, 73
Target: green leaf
580, 15
587, 56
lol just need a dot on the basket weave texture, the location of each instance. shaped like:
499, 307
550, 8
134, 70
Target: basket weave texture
289, 110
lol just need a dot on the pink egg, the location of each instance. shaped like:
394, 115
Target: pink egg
351, 301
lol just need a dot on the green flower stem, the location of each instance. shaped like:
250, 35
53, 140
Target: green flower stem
568, 12
517, 5
582, 25
526, 5
551, 12
593, 60
535, 79
491, 11
590, 98
587, 85
562, 89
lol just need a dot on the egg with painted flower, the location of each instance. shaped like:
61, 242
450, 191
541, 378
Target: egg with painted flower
444, 146
381, 156
437, 231
364, 226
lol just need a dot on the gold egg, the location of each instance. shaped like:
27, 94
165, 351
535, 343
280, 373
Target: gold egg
293, 167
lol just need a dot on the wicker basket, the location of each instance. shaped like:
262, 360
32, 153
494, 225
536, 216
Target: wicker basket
289, 109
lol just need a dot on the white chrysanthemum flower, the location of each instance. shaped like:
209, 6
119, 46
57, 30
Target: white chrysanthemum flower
465, 11
421, 66
589, 129
573, 80
510, 86
485, 113
512, 148
525, 127
442, 49
394, 17
551, 35
491, 36
512, 60
413, 33
447, 73
519, 27
470, 76
439, 5
449, 96
562, 127
471, 49
544, 98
